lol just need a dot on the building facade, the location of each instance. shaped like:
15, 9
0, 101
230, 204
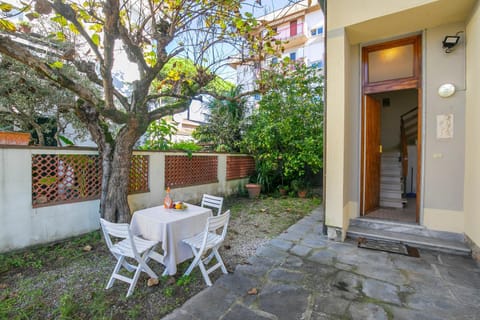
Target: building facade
300, 26
389, 62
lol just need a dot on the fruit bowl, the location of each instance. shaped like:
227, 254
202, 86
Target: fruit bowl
179, 206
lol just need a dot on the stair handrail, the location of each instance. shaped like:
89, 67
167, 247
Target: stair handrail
409, 111
404, 140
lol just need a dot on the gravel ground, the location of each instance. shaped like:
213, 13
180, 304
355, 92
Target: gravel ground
54, 283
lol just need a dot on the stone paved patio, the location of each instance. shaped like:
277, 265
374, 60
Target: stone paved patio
302, 275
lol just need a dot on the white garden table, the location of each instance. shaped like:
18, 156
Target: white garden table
170, 227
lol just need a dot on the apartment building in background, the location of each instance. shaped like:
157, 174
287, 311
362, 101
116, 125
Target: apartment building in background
301, 28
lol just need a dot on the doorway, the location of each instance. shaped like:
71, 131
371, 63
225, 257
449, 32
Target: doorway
391, 131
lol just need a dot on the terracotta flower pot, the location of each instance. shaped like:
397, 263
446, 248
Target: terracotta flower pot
253, 190
302, 193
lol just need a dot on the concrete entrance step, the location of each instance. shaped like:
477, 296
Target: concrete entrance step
413, 235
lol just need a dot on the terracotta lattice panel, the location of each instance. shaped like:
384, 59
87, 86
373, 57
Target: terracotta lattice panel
70, 178
239, 167
138, 174
183, 171
65, 178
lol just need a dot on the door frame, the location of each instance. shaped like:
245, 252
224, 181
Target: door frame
413, 82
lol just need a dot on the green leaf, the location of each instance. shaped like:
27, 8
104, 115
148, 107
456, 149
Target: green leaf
60, 36
96, 27
65, 140
7, 26
60, 20
48, 180
5, 7
72, 28
96, 39
57, 65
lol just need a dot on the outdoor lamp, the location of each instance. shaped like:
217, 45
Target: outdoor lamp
451, 41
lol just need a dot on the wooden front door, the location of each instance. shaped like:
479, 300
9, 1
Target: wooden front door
371, 155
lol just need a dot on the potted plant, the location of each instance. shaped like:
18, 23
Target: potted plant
253, 190
254, 186
25, 26
283, 190
300, 186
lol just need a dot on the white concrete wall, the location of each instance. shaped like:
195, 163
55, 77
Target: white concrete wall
20, 224
23, 226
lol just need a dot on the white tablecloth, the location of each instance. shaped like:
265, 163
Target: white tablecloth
170, 227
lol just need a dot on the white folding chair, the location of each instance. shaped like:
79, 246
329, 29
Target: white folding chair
212, 202
127, 246
207, 240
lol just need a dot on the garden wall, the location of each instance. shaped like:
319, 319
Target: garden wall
49, 194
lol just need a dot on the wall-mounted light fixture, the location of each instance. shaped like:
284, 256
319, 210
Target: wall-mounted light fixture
446, 90
449, 42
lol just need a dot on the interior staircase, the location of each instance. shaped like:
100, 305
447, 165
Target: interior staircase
391, 181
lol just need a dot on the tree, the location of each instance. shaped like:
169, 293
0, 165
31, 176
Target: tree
225, 125
159, 135
285, 133
91, 35
32, 103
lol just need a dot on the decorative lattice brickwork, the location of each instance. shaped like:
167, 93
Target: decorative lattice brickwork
239, 167
65, 178
71, 178
183, 171
138, 180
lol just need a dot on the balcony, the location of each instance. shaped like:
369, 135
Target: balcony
292, 33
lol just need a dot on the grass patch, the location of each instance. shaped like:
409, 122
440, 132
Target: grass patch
63, 281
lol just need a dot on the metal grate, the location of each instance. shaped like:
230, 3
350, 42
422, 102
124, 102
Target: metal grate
181, 171
138, 179
239, 167
65, 178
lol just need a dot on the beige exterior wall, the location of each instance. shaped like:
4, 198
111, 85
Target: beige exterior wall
350, 24
444, 220
335, 133
472, 130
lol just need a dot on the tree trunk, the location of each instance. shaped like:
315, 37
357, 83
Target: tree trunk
39, 132
115, 201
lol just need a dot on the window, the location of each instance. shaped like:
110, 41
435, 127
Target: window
317, 64
293, 56
393, 65
274, 61
316, 31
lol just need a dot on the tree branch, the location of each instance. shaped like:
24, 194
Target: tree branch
169, 109
68, 13
19, 53
111, 10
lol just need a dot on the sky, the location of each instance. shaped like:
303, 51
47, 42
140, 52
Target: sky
265, 7
268, 6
